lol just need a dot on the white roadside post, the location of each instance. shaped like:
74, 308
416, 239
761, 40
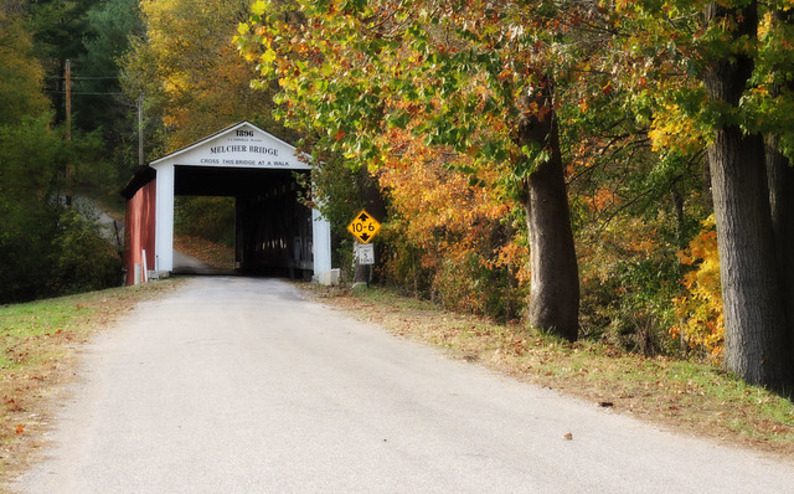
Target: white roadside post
145, 274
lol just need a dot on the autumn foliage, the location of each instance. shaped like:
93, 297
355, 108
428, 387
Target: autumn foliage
451, 232
699, 308
440, 114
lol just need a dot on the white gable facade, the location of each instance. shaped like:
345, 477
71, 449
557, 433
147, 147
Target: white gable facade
242, 145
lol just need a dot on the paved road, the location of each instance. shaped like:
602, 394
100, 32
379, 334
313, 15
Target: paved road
240, 385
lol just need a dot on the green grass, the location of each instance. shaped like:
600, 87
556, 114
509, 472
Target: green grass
684, 395
34, 320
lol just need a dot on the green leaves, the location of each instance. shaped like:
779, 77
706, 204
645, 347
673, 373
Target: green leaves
21, 76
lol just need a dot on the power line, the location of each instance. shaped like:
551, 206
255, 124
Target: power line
84, 78
86, 93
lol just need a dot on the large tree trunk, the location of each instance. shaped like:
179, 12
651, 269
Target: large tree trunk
554, 290
780, 175
755, 338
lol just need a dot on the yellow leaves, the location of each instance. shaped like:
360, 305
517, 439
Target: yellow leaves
247, 55
765, 25
621, 5
21, 75
674, 129
700, 310
189, 65
268, 56
259, 7
286, 83
176, 83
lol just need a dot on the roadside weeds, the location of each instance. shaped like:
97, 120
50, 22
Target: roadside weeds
689, 397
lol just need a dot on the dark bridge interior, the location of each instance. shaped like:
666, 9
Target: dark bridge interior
273, 229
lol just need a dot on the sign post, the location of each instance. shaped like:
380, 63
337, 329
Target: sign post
364, 228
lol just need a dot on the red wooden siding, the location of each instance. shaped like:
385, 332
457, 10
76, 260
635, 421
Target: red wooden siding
139, 228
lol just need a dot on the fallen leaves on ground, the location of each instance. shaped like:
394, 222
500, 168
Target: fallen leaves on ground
692, 397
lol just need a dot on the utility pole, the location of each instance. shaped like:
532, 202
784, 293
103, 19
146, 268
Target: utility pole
140, 130
69, 169
67, 76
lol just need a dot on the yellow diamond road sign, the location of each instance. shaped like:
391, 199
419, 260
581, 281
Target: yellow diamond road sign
364, 227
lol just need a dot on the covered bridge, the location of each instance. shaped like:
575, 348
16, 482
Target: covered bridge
274, 232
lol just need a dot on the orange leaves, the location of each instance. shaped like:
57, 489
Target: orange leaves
643, 245
434, 198
448, 218
514, 256
506, 74
701, 247
602, 199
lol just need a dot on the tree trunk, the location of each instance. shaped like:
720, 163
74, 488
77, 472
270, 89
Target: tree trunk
554, 290
780, 175
755, 338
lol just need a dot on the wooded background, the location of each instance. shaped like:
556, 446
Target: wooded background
610, 170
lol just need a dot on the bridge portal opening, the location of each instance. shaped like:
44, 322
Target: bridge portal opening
204, 234
272, 228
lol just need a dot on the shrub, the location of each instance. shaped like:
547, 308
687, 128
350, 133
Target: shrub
699, 309
81, 259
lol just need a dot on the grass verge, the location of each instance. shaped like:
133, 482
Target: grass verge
37, 346
685, 396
